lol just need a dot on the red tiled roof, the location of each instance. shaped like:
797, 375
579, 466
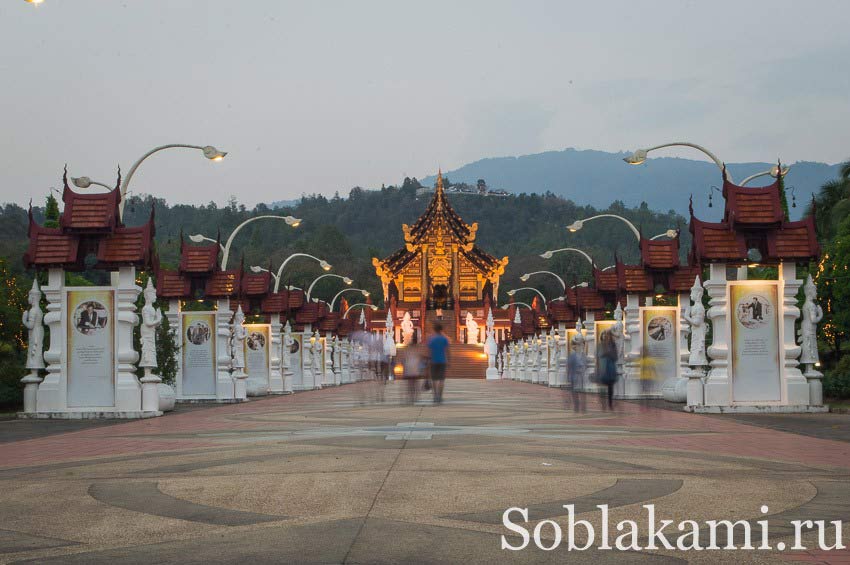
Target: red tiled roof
222, 284
171, 284
747, 206
256, 284
634, 278
682, 279
91, 212
127, 246
307, 314
329, 322
49, 247
586, 298
344, 328
794, 240
275, 302
245, 303
659, 254
560, 311
296, 299
606, 281
198, 258
716, 242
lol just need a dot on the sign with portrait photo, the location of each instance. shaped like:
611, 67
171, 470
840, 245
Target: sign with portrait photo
659, 341
601, 326
295, 358
571, 333
257, 345
755, 345
198, 354
90, 352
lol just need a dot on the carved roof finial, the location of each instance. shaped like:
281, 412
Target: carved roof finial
439, 180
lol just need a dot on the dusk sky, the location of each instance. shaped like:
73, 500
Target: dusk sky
323, 96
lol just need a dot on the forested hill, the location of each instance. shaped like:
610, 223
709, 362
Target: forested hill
348, 232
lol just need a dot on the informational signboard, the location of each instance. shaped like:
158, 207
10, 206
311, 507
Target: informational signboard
660, 344
601, 326
198, 371
755, 365
571, 333
90, 350
257, 346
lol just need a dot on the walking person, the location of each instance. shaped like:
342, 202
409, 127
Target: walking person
576, 369
606, 352
414, 371
438, 350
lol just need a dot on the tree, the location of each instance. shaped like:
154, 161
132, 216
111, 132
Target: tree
13, 301
51, 212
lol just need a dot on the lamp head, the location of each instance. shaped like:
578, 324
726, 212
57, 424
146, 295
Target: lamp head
775, 171
347, 280
365, 293
81, 182
292, 221
197, 238
213, 154
582, 284
547, 255
35, 2
575, 226
511, 292
525, 277
671, 233
636, 158
325, 265
256, 269
373, 307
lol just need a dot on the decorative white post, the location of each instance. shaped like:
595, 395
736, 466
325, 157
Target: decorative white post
288, 342
492, 348
581, 349
389, 342
627, 338
345, 360
33, 320
590, 347
174, 322
797, 385
308, 342
318, 356
52, 392
224, 385
276, 356
128, 389
335, 356
239, 334
812, 315
151, 319
552, 358
717, 386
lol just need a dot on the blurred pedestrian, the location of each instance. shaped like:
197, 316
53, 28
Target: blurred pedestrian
576, 369
648, 376
606, 353
438, 351
413, 363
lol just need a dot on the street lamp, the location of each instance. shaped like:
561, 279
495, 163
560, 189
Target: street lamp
198, 238
512, 292
359, 305
346, 280
322, 263
669, 233
578, 224
209, 152
639, 157
548, 254
506, 306
526, 276
365, 294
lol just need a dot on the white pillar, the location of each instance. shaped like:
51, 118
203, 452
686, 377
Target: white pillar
225, 387
796, 383
276, 357
717, 385
175, 323
52, 392
128, 390
631, 384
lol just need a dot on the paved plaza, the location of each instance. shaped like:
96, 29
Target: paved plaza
336, 476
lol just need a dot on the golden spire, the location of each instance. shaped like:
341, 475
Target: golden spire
439, 180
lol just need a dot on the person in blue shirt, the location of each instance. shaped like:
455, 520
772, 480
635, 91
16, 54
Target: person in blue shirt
438, 348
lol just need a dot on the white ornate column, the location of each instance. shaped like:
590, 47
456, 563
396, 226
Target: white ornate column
175, 323
52, 392
286, 355
224, 386
332, 354
590, 344
684, 303
345, 363
128, 389
632, 354
561, 379
276, 356
717, 385
796, 383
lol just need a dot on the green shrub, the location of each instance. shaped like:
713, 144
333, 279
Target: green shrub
836, 381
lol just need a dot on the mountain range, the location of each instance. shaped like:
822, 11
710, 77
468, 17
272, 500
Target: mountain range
598, 178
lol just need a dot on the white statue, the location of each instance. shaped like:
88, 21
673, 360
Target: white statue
239, 334
151, 319
579, 337
317, 352
812, 315
34, 322
407, 329
288, 342
696, 318
471, 330
619, 333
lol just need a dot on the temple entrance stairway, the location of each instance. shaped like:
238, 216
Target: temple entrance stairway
466, 361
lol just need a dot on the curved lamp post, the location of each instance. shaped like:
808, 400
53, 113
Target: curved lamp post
506, 306
358, 305
512, 292
639, 157
198, 238
578, 224
257, 269
548, 254
526, 276
365, 294
346, 280
209, 152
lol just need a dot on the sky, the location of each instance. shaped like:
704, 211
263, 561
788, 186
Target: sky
323, 96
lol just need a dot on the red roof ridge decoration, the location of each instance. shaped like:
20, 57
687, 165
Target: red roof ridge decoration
91, 212
752, 206
659, 254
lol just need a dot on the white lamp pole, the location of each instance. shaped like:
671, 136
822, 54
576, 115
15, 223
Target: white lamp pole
209, 151
346, 280
669, 233
578, 224
198, 238
322, 263
365, 294
526, 276
774, 172
358, 305
506, 306
548, 254
512, 292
